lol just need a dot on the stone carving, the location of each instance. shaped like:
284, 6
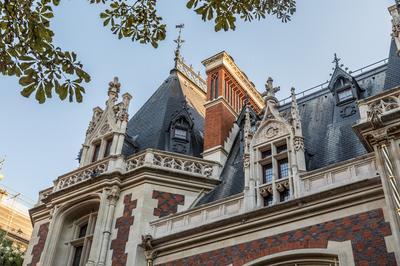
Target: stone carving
165, 160
282, 186
265, 191
271, 131
348, 111
298, 143
80, 176
149, 253
113, 194
104, 129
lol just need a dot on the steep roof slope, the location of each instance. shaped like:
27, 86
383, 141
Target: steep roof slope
148, 127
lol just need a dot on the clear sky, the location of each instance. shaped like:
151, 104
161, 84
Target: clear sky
41, 142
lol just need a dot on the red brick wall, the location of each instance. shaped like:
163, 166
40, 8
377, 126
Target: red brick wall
365, 230
218, 123
123, 224
167, 203
38, 248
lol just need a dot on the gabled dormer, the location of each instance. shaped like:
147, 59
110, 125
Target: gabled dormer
180, 131
343, 86
106, 132
276, 154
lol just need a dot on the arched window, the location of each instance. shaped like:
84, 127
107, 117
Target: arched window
76, 235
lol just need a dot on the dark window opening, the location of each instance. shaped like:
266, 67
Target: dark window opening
265, 154
281, 148
283, 168
284, 195
77, 255
96, 152
267, 173
82, 230
108, 147
268, 200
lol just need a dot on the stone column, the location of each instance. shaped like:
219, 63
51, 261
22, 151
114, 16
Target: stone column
112, 198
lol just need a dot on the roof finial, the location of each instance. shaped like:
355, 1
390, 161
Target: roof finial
270, 89
336, 60
113, 89
179, 41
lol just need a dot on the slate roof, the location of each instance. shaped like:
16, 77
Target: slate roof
393, 72
327, 129
148, 127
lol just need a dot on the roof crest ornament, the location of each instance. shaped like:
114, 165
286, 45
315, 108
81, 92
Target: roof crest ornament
336, 60
270, 90
179, 41
113, 89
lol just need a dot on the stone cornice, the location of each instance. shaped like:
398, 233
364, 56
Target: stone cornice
226, 60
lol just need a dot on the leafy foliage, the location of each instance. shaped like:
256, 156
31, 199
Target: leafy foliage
10, 254
26, 40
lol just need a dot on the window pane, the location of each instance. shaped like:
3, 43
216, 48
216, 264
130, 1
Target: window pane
96, 152
345, 95
268, 200
82, 230
283, 167
180, 133
267, 173
284, 195
77, 256
281, 148
265, 154
108, 147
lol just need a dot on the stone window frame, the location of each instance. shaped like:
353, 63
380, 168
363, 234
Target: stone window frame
103, 142
86, 241
273, 159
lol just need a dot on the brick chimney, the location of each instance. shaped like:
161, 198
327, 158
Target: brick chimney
227, 87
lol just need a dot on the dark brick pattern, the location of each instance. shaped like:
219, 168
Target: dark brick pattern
365, 230
167, 203
123, 224
38, 248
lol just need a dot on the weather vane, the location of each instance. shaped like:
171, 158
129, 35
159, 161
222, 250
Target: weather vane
179, 41
336, 60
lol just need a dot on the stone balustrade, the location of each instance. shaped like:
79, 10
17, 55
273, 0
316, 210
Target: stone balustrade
197, 216
348, 172
148, 158
81, 174
173, 162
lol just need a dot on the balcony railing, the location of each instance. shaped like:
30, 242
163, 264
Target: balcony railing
198, 216
173, 162
351, 171
80, 175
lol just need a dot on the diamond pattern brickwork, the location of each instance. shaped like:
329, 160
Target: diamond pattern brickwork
167, 203
365, 230
38, 248
123, 224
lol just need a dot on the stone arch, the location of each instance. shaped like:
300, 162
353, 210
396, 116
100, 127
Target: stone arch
299, 257
62, 218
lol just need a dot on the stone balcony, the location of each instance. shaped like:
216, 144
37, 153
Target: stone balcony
150, 158
195, 217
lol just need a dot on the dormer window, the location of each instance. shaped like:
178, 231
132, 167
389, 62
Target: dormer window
180, 135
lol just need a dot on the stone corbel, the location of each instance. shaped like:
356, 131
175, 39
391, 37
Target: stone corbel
149, 252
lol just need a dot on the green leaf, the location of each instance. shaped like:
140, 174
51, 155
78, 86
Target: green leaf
26, 92
40, 95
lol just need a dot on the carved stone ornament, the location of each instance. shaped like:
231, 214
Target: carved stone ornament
298, 143
265, 191
246, 162
104, 129
149, 253
271, 131
282, 186
113, 193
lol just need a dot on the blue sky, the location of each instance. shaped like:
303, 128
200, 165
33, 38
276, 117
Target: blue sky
41, 142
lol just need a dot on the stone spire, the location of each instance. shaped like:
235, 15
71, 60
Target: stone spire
296, 120
395, 13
